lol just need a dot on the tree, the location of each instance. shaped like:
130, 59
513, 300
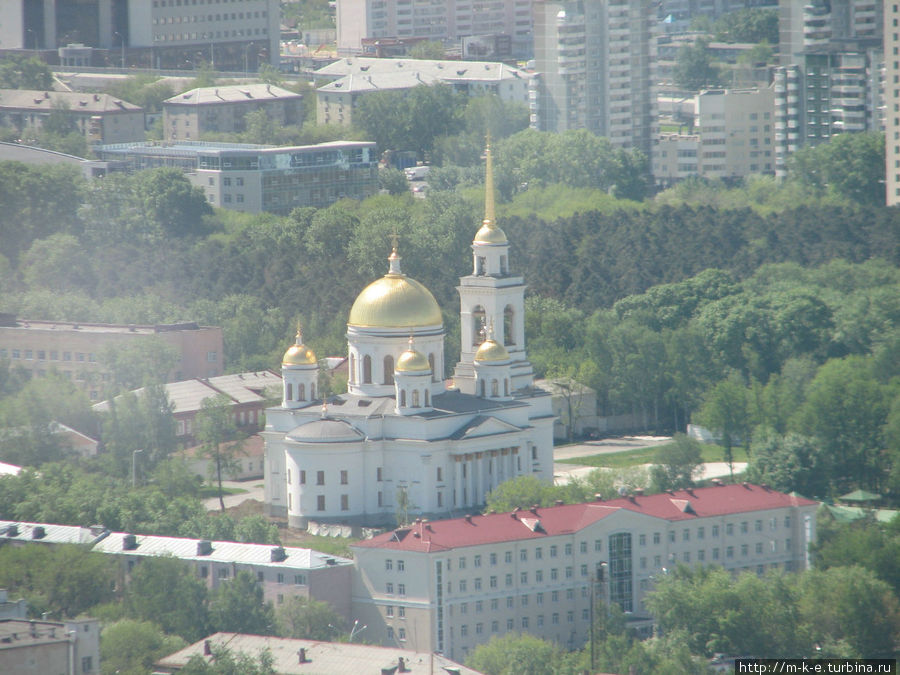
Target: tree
308, 619
238, 607
224, 662
724, 412
694, 68
519, 654
788, 463
169, 200
427, 49
129, 647
219, 439
677, 464
748, 25
139, 362
522, 491
849, 166
393, 181
166, 592
18, 72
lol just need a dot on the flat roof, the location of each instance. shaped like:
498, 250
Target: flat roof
72, 326
320, 657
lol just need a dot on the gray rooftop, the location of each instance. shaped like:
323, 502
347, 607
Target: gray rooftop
76, 102
241, 93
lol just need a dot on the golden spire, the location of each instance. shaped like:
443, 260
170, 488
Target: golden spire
489, 218
299, 336
394, 258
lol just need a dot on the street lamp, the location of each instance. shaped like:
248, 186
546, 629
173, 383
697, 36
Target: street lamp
356, 630
247, 58
33, 37
122, 43
134, 467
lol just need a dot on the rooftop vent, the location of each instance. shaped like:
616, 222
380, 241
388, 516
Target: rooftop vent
468, 517
204, 547
598, 497
12, 531
207, 648
278, 554
38, 532
129, 542
301, 655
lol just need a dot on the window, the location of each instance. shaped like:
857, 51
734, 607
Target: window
509, 579
477, 561
759, 547
729, 529
538, 553
479, 606
389, 588
523, 577
320, 478
87, 664
507, 557
401, 633
390, 633
478, 584
378, 474
463, 586
656, 537
554, 596
281, 577
642, 541
492, 582
493, 558
367, 369
715, 531
389, 610
345, 502
729, 552
554, 574
462, 563
757, 526
299, 579
701, 532
583, 547
671, 536
553, 551
344, 477
744, 527
715, 554
523, 555
388, 564
320, 503
745, 549
401, 589
302, 477
212, 357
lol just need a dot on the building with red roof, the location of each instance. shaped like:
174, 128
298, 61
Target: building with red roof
450, 585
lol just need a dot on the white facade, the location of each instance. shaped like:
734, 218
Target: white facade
437, 20
401, 441
451, 585
892, 101
737, 129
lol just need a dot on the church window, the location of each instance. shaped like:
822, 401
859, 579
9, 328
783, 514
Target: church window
367, 369
415, 398
344, 477
495, 391
478, 325
505, 387
289, 396
380, 499
320, 478
402, 398
301, 392
427, 402
302, 476
440, 474
320, 503
345, 502
431, 365
503, 266
480, 264
388, 370
378, 474
312, 392
482, 389
440, 498
352, 369
509, 336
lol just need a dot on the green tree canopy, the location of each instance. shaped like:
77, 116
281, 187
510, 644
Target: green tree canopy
19, 72
850, 166
694, 67
309, 619
129, 647
167, 592
238, 607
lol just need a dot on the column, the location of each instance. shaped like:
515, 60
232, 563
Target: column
457, 481
49, 24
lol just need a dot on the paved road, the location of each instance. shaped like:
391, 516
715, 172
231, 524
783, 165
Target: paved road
254, 490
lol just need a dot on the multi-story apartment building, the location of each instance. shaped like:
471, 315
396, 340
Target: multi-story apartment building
156, 33
101, 118
595, 63
451, 585
445, 21
736, 130
255, 178
675, 158
281, 571
892, 101
223, 109
351, 79
28, 647
75, 349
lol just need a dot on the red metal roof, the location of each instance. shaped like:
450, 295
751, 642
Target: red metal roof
525, 524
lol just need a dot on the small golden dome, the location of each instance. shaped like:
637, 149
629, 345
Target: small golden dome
491, 350
412, 361
490, 234
395, 301
299, 354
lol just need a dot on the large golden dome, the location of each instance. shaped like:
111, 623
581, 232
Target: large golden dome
395, 301
490, 234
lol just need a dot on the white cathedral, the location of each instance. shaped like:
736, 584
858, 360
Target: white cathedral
401, 437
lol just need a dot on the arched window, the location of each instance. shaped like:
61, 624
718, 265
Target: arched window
509, 335
427, 400
289, 396
403, 398
312, 392
482, 388
415, 398
301, 392
503, 268
480, 264
505, 387
478, 325
433, 372
352, 369
367, 369
495, 391
388, 369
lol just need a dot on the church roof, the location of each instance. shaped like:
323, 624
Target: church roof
326, 431
542, 522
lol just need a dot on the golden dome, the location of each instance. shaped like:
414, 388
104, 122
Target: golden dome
299, 354
490, 234
491, 350
395, 301
412, 361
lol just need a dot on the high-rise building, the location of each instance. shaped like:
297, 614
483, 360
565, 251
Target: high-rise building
436, 20
595, 63
161, 33
892, 101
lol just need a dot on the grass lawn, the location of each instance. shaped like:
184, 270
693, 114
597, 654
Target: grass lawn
620, 460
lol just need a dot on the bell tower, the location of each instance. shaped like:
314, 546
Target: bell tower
491, 296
